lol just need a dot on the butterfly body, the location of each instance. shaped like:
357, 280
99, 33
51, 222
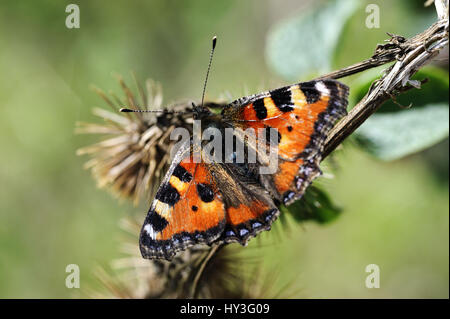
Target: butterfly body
222, 200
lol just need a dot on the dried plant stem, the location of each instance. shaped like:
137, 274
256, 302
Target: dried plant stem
193, 292
410, 55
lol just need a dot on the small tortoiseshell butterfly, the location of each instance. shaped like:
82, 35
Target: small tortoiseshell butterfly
215, 203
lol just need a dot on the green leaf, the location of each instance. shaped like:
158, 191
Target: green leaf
304, 45
390, 136
394, 132
315, 205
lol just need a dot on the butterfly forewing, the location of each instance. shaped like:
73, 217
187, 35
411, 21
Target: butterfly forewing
303, 114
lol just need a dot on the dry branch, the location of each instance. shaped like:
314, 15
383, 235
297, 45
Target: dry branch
410, 55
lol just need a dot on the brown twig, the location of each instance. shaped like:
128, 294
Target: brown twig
410, 55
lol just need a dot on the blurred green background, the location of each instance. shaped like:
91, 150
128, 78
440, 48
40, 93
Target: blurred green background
395, 214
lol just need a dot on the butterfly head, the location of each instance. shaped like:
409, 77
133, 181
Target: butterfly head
200, 111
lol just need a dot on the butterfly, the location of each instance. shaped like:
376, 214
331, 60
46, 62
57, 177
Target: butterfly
213, 201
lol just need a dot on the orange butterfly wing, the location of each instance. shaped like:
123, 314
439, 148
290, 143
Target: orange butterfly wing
303, 114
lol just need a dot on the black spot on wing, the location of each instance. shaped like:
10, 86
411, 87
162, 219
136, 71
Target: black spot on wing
168, 194
205, 192
282, 99
260, 109
332, 87
182, 174
157, 222
311, 93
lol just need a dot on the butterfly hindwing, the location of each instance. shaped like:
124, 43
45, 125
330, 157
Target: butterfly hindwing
249, 207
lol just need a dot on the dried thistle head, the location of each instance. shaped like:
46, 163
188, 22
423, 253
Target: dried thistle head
183, 277
134, 151
199, 272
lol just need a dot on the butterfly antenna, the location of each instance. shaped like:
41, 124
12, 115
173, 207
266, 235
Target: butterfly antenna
195, 108
125, 110
214, 41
